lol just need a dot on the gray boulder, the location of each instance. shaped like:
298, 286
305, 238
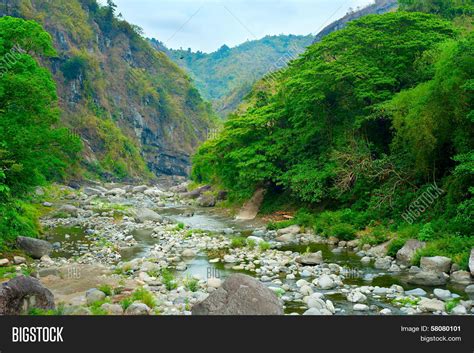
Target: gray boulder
206, 200
436, 264
383, 263
407, 252
94, 295
197, 192
461, 277
71, 210
294, 229
21, 294
137, 309
143, 215
35, 248
240, 295
311, 259
428, 278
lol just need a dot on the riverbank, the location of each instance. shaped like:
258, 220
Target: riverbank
125, 249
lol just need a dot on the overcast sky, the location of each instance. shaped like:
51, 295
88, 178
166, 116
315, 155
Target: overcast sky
208, 24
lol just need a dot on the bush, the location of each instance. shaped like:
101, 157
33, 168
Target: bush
168, 280
395, 245
191, 284
343, 231
457, 248
238, 242
264, 246
377, 235
144, 296
426, 233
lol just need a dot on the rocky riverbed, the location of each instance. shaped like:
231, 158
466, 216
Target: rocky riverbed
140, 250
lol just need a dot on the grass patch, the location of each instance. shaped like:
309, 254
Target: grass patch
191, 284
144, 296
168, 279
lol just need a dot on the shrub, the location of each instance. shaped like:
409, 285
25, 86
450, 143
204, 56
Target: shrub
238, 242
251, 243
343, 231
144, 296
395, 245
264, 246
168, 279
106, 289
191, 284
426, 233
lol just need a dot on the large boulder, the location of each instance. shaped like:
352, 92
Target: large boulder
294, 229
471, 262
379, 250
428, 278
21, 294
196, 192
436, 264
406, 254
35, 248
143, 215
240, 295
311, 259
206, 200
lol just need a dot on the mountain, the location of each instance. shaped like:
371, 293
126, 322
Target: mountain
130, 104
378, 8
226, 76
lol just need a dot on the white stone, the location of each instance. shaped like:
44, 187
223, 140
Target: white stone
360, 307
326, 282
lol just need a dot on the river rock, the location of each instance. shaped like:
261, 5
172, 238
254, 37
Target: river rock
240, 295
143, 215
138, 309
383, 263
35, 248
18, 260
436, 264
379, 250
90, 191
188, 253
426, 278
418, 292
311, 259
461, 277
22, 293
431, 305
459, 310
386, 311
314, 302
294, 229
112, 309
116, 192
471, 262
206, 200
406, 254
139, 189
230, 259
366, 260
286, 238
214, 282
356, 297
442, 294
196, 193
255, 239
360, 307
470, 290
326, 282
71, 210
94, 295
4, 262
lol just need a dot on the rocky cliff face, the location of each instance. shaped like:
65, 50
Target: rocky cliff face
380, 7
129, 103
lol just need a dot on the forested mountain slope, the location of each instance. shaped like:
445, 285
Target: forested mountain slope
129, 103
227, 75
361, 129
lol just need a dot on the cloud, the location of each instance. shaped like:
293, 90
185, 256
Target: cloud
208, 24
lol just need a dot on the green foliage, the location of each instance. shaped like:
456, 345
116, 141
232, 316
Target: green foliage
191, 284
74, 67
168, 279
264, 246
144, 296
363, 125
456, 247
106, 289
395, 245
451, 304
238, 242
426, 233
444, 8
226, 76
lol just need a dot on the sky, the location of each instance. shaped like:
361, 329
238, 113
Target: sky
206, 25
